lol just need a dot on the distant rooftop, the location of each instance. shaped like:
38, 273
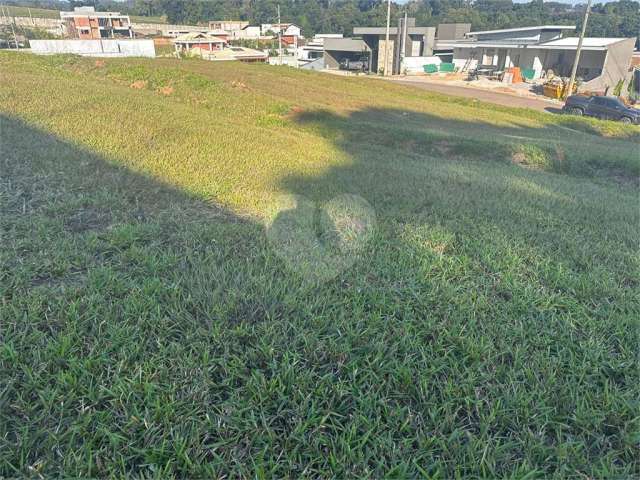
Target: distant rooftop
198, 37
525, 29
589, 43
566, 43
235, 53
89, 12
411, 30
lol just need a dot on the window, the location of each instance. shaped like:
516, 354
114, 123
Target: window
613, 103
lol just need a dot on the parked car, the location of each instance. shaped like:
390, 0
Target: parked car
605, 108
360, 65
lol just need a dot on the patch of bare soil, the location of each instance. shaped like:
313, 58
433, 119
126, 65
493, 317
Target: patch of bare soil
139, 84
73, 278
88, 219
294, 112
239, 84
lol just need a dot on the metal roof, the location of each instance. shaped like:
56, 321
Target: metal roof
197, 37
487, 44
568, 43
392, 30
345, 44
92, 14
525, 29
589, 43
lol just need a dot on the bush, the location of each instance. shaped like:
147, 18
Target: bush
617, 91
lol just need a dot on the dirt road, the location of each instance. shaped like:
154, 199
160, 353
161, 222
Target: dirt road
498, 98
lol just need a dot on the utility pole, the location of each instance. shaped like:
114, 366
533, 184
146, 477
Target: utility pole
403, 43
386, 39
574, 70
279, 36
12, 21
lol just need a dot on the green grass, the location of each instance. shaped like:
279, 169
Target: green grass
18, 11
149, 327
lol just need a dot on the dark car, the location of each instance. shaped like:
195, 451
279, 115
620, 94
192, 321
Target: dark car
359, 65
605, 108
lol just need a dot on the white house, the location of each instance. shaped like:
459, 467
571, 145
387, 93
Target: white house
288, 29
250, 32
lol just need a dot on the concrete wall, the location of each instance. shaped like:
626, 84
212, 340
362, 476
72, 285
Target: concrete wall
415, 65
453, 31
429, 40
345, 44
382, 51
32, 22
331, 60
164, 28
95, 48
51, 25
335, 49
616, 66
461, 55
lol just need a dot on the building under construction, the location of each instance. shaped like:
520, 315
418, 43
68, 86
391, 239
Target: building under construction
85, 23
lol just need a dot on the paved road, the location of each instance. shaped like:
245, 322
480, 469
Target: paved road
498, 98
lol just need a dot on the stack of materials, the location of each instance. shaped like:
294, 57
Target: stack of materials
512, 75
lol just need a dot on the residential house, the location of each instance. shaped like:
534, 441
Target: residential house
198, 40
85, 23
250, 32
283, 28
236, 29
603, 61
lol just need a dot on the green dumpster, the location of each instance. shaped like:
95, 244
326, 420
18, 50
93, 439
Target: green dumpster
431, 68
447, 67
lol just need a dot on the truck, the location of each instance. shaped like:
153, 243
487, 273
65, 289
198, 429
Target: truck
605, 108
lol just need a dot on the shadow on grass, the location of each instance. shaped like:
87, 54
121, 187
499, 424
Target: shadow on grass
404, 168
146, 328
55, 191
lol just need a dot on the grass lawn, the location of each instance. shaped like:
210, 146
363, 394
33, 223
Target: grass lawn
486, 327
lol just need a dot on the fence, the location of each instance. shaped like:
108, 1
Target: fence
95, 48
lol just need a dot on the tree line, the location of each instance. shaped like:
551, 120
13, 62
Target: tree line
614, 19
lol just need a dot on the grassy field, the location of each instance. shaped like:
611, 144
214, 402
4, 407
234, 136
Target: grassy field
486, 327
17, 11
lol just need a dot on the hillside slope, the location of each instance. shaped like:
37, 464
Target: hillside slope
485, 326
